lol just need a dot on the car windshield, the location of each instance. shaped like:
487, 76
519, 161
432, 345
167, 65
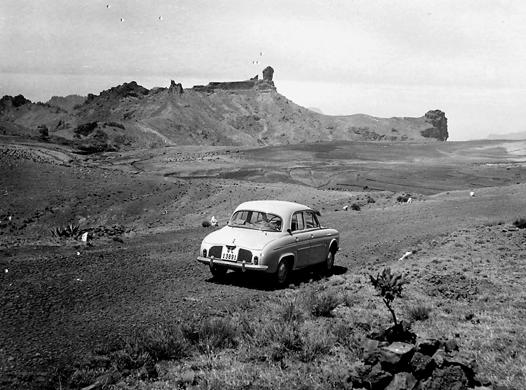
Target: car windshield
257, 220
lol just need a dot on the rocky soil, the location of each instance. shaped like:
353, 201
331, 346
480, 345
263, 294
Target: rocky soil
61, 299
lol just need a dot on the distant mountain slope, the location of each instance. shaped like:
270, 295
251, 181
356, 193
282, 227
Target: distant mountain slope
509, 136
67, 103
249, 112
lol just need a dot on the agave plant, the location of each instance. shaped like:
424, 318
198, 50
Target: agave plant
66, 231
389, 286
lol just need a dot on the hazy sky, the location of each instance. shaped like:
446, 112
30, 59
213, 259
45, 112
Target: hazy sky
384, 58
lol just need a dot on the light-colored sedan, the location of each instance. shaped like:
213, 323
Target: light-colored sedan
270, 236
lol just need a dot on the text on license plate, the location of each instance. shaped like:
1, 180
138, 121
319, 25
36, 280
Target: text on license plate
229, 256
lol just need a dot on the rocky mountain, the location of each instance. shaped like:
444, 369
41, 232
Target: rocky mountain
249, 112
67, 103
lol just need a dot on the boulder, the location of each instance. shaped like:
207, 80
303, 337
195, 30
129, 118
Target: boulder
448, 378
421, 365
428, 346
358, 373
378, 378
464, 361
370, 351
402, 381
396, 356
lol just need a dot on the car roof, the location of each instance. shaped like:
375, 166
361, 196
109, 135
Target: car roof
279, 207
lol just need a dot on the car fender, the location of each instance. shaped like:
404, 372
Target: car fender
334, 241
287, 254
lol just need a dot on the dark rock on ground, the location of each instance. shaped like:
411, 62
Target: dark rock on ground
402, 381
421, 365
428, 346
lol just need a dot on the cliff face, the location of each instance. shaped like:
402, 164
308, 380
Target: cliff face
249, 112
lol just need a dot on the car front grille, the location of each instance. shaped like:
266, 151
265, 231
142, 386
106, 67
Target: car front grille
244, 255
215, 251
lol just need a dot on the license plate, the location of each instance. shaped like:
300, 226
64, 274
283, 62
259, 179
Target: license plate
229, 256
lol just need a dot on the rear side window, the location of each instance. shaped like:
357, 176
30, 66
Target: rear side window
297, 222
311, 222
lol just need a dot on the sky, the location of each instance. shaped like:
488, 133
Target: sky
378, 57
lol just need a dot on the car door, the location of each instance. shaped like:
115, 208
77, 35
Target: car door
301, 239
318, 241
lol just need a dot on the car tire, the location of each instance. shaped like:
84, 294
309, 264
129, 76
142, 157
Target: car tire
282, 275
217, 272
328, 265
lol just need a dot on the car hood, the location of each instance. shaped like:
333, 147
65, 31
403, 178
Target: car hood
246, 238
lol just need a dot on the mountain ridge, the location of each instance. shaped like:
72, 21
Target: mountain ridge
248, 112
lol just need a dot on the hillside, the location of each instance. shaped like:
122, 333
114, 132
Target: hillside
249, 112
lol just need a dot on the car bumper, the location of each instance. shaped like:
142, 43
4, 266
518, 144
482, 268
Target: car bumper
242, 265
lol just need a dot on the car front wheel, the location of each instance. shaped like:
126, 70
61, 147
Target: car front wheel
328, 265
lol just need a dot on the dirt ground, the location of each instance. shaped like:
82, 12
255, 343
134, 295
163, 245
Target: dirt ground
60, 299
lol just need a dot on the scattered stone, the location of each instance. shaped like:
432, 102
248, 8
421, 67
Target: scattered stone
402, 381
421, 365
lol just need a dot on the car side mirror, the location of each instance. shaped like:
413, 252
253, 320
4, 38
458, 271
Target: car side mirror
289, 231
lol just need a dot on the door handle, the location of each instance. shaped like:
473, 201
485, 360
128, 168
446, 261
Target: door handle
312, 236
296, 239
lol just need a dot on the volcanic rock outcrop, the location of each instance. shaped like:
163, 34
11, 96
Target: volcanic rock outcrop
438, 121
248, 112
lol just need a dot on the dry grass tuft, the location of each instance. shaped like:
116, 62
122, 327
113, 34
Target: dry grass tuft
418, 313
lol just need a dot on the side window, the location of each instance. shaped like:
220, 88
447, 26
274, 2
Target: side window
311, 221
297, 221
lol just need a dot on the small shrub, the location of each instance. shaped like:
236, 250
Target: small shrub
206, 224
290, 312
161, 343
355, 207
211, 334
322, 304
389, 286
520, 223
85, 129
419, 313
370, 199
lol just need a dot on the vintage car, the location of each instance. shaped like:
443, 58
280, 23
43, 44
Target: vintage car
271, 236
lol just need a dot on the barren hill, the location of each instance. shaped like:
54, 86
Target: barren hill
249, 112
